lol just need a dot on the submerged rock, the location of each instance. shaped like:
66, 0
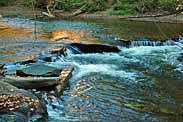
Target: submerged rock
19, 104
38, 70
91, 48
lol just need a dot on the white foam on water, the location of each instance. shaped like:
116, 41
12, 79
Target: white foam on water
149, 50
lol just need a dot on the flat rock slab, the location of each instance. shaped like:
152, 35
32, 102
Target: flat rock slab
14, 100
33, 82
39, 70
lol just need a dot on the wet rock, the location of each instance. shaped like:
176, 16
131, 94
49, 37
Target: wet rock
91, 48
65, 75
53, 53
38, 70
19, 104
125, 43
29, 60
59, 51
46, 83
2, 70
31, 82
46, 58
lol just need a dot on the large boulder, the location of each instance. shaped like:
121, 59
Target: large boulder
39, 70
78, 48
19, 104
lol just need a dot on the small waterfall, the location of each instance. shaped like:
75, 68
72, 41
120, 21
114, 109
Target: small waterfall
151, 43
137, 43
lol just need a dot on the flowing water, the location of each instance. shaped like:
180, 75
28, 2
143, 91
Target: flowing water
143, 83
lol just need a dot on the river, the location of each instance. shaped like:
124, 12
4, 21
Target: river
138, 84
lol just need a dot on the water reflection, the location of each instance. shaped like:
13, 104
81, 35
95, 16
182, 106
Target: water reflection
9, 31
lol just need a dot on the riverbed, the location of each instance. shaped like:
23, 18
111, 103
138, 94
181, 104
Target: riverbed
141, 83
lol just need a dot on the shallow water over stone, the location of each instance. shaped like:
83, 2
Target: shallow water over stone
141, 83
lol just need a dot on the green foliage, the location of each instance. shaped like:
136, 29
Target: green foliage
5, 2
69, 5
30, 3
123, 8
86, 5
145, 6
97, 5
128, 7
168, 5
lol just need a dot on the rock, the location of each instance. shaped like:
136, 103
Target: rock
41, 82
65, 75
53, 53
20, 104
29, 60
38, 70
47, 58
1, 16
2, 66
59, 51
125, 43
2, 70
91, 48
31, 82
